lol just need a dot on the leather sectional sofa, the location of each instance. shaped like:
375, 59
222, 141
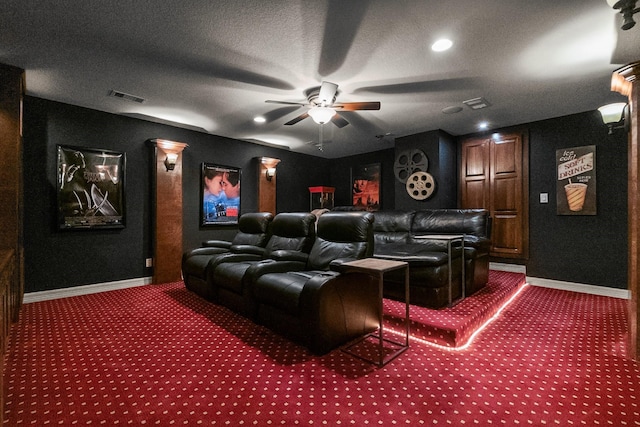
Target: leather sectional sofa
397, 236
294, 284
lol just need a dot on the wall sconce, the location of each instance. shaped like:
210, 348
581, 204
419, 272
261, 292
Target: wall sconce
615, 116
170, 161
269, 164
270, 173
171, 150
627, 9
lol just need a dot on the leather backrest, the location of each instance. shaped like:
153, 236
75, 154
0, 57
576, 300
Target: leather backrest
253, 228
392, 226
452, 221
341, 235
293, 231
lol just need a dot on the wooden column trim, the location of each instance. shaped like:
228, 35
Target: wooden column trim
267, 187
167, 212
625, 81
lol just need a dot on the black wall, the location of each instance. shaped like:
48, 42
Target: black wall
581, 249
441, 150
59, 259
341, 176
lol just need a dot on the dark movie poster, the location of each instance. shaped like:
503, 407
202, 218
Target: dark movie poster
220, 194
90, 188
576, 181
365, 181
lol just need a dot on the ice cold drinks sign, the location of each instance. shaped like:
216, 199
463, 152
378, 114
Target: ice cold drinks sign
576, 182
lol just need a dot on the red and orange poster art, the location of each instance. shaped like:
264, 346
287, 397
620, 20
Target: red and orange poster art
366, 186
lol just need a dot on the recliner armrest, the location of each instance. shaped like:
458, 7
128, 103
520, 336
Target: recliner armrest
272, 266
216, 244
248, 249
289, 255
336, 264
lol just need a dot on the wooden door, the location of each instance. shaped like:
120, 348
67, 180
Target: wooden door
494, 176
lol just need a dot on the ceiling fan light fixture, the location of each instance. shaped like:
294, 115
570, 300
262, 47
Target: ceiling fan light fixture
321, 115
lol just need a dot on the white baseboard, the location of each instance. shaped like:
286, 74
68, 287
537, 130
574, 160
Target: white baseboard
580, 287
512, 268
558, 284
84, 290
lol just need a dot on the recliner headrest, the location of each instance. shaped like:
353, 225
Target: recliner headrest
345, 226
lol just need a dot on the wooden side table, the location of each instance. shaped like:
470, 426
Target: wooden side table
377, 267
450, 238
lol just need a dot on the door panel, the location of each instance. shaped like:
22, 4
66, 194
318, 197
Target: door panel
475, 174
494, 176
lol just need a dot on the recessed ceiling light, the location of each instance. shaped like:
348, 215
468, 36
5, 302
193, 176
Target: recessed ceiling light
441, 45
483, 125
259, 119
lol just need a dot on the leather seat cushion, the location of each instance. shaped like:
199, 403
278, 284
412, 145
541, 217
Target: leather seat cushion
228, 275
196, 265
413, 254
282, 290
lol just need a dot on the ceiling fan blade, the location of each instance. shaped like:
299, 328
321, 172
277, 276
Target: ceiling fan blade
339, 121
327, 93
354, 106
297, 119
271, 101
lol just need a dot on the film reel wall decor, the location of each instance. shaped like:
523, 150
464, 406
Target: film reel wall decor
408, 162
410, 169
420, 185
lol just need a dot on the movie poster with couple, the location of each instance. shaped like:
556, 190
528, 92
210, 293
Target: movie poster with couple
576, 181
220, 194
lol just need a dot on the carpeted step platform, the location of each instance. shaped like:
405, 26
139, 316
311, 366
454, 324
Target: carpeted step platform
453, 327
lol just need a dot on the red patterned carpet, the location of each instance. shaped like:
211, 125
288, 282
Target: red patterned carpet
159, 355
454, 327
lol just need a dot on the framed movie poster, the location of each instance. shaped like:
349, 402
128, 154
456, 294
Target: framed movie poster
90, 187
576, 181
365, 185
220, 194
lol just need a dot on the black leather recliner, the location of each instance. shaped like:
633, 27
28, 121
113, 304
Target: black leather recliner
313, 303
252, 232
291, 236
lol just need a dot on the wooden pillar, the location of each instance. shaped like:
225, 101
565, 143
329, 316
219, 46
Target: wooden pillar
11, 203
267, 184
167, 210
625, 81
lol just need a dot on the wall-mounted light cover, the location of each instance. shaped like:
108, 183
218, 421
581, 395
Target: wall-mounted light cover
612, 113
271, 172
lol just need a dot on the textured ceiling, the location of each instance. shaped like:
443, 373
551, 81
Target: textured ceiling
210, 65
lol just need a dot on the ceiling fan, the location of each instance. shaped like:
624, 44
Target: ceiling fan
322, 106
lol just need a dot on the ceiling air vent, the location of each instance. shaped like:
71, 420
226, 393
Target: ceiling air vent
126, 96
476, 103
